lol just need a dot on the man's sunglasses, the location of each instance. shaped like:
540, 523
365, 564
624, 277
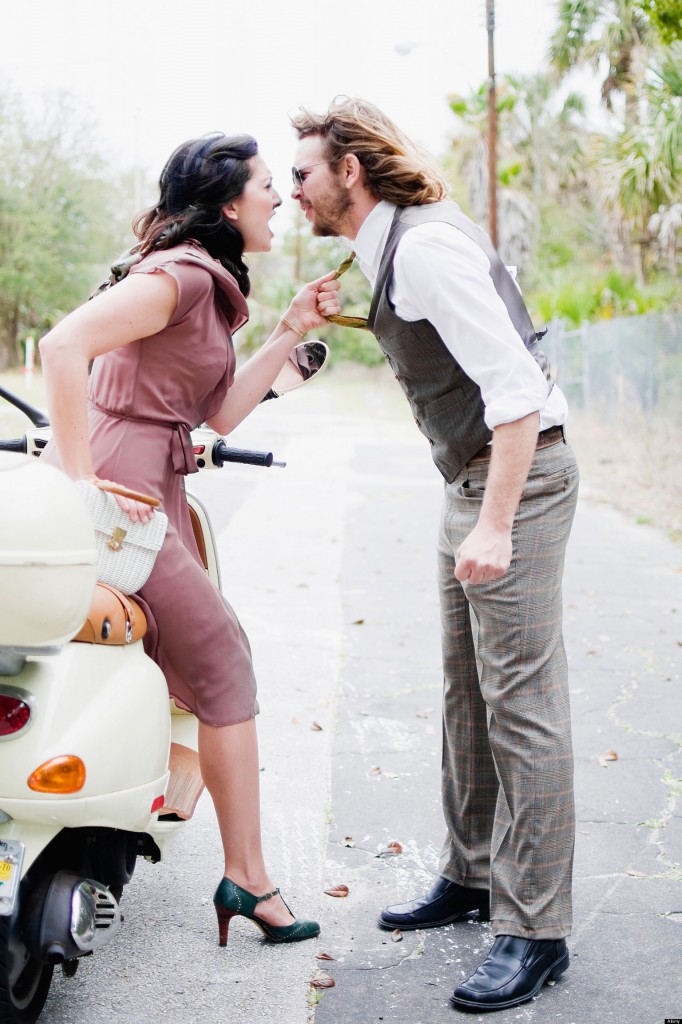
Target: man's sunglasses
298, 172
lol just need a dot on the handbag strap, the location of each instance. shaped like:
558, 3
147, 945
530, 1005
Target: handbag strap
125, 492
124, 618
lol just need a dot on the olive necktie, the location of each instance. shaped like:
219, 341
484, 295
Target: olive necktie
347, 321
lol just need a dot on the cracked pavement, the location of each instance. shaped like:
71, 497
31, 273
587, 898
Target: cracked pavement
623, 629
331, 567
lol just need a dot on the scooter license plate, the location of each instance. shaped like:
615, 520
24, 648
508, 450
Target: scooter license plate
11, 858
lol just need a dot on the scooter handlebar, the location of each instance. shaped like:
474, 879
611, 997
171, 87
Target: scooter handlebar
15, 444
210, 450
221, 453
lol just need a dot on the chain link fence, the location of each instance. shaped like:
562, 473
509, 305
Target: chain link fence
623, 382
626, 368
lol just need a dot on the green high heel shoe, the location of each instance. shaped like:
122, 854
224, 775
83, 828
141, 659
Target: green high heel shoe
231, 900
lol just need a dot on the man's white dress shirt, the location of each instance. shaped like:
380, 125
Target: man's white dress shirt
442, 276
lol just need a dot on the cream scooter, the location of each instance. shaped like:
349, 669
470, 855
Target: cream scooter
85, 786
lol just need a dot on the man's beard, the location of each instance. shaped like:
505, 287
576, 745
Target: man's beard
329, 214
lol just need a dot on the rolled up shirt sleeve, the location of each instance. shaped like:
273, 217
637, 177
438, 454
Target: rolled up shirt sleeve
442, 276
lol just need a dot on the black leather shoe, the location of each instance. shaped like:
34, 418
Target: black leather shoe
444, 902
513, 972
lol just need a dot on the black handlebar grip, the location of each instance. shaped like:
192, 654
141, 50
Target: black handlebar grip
221, 453
16, 444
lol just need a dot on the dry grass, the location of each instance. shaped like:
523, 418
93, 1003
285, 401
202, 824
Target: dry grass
634, 466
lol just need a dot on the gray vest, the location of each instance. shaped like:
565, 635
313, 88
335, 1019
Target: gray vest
446, 403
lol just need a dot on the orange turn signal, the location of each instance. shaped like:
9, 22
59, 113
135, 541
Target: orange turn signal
63, 774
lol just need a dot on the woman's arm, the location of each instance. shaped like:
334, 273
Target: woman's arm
137, 307
308, 310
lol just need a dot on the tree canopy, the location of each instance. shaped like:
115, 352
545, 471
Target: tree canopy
59, 217
574, 203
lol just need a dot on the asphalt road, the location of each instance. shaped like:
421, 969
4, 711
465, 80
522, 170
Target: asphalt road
330, 566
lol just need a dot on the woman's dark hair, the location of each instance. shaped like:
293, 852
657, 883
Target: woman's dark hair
198, 179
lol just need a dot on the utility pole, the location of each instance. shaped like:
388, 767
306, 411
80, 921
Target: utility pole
492, 123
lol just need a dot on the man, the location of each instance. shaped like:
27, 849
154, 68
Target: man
454, 328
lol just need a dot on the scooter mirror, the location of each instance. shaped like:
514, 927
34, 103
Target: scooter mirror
307, 359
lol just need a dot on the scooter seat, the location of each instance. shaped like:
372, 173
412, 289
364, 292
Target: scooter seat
114, 619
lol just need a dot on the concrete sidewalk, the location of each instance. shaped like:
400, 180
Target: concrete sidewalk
623, 599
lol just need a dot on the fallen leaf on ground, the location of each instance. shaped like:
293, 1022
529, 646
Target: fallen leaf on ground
375, 771
316, 727
337, 890
358, 622
392, 850
348, 841
418, 950
324, 982
397, 935
604, 759
636, 874
324, 956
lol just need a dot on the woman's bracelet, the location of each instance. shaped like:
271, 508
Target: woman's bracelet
291, 327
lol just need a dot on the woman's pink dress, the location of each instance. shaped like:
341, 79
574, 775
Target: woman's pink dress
144, 398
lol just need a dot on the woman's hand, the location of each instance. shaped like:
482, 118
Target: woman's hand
138, 511
310, 307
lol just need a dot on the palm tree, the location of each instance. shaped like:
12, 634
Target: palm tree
516, 215
589, 30
541, 165
643, 165
549, 133
666, 19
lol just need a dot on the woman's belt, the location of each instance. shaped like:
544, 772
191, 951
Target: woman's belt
182, 454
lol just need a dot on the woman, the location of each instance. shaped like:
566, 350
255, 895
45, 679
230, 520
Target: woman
164, 363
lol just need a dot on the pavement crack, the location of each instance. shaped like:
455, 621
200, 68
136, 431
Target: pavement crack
378, 967
414, 954
659, 825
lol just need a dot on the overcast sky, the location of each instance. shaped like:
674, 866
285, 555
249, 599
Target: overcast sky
155, 72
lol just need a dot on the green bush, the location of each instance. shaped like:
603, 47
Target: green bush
576, 298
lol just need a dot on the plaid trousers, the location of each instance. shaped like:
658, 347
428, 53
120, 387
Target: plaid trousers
507, 775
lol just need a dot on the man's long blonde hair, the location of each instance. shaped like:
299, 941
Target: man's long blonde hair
395, 168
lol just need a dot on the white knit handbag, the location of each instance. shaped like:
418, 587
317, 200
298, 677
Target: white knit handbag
126, 551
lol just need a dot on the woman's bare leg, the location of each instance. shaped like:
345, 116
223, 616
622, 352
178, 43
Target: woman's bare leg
229, 765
